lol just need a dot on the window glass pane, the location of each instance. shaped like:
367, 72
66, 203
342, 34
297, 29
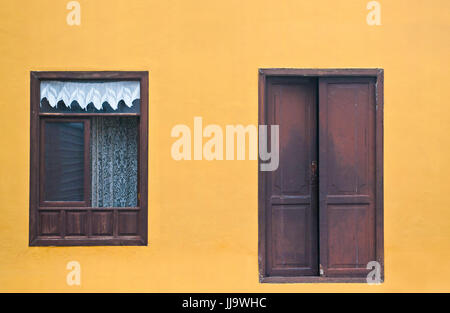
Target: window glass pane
114, 157
64, 161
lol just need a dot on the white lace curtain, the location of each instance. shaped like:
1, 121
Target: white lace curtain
96, 93
114, 161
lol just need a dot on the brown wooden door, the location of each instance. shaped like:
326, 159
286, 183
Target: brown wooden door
347, 175
291, 199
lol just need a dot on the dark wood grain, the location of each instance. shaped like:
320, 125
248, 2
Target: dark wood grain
312, 280
312, 72
34, 155
91, 75
262, 120
143, 159
379, 189
347, 175
292, 238
370, 203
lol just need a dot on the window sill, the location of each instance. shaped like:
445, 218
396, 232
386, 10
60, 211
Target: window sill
91, 241
312, 280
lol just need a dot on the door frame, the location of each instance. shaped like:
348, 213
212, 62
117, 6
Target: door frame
376, 73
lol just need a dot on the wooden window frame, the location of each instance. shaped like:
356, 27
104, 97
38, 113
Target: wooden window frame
378, 74
36, 132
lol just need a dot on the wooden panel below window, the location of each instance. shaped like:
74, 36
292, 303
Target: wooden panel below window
76, 223
128, 223
49, 223
65, 223
102, 223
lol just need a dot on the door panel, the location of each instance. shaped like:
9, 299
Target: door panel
292, 238
347, 175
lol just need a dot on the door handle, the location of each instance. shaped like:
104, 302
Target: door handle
314, 168
313, 171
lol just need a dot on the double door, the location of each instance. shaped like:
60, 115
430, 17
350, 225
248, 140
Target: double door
320, 202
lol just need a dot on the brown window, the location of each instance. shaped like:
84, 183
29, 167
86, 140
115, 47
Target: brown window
88, 152
321, 210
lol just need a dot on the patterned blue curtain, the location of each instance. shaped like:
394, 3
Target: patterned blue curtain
114, 157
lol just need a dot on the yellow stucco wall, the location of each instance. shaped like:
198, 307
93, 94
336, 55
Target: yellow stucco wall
203, 58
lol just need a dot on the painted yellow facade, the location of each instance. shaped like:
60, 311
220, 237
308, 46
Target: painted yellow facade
203, 58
